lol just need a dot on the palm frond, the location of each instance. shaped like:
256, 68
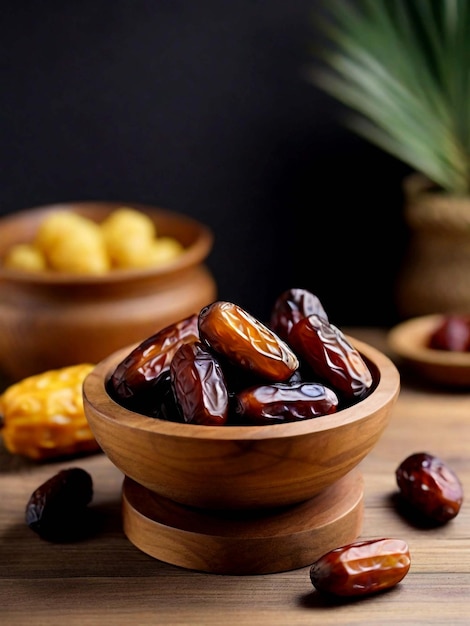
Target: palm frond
402, 69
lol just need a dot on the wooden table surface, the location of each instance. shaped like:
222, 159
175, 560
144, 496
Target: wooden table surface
106, 580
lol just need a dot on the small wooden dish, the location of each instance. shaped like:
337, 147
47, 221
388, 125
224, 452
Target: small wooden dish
409, 342
52, 319
241, 499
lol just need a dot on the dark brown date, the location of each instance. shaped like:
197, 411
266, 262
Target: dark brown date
452, 333
57, 509
160, 402
362, 568
291, 306
430, 486
331, 357
199, 385
238, 336
138, 372
280, 402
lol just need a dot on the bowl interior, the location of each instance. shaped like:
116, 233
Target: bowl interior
385, 386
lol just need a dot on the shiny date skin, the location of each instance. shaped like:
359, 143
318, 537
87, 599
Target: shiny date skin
199, 386
362, 567
137, 374
331, 357
291, 306
229, 330
452, 334
430, 486
280, 402
248, 355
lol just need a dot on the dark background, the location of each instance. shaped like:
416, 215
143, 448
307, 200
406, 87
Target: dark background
203, 107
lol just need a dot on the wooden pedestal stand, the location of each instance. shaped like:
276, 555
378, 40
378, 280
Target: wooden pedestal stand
235, 542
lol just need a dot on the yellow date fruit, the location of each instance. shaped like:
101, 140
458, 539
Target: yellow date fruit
43, 415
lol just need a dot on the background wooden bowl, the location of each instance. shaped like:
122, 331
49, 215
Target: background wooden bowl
51, 319
409, 342
238, 467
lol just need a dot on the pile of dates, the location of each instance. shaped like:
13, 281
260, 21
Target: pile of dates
223, 366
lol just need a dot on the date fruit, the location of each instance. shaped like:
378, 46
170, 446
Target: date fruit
430, 486
57, 509
44, 417
231, 331
291, 306
199, 385
281, 402
362, 567
452, 333
161, 403
137, 374
331, 357
225, 367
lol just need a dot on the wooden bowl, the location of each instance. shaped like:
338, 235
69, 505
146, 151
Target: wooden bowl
241, 499
235, 467
54, 319
409, 342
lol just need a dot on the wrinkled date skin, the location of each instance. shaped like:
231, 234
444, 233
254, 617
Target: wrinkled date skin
199, 385
361, 568
430, 486
57, 509
331, 357
453, 334
231, 331
280, 402
138, 373
291, 306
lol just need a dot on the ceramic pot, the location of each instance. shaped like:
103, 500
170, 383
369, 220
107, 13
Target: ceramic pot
50, 320
435, 275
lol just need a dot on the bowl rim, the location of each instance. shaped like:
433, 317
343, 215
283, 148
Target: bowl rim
192, 255
408, 341
386, 392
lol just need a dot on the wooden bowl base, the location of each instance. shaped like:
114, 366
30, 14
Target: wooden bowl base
243, 542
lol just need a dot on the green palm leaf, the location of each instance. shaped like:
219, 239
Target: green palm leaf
402, 69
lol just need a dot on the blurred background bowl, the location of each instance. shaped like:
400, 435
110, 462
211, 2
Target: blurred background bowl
52, 319
409, 345
237, 467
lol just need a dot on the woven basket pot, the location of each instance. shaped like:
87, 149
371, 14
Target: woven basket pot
435, 275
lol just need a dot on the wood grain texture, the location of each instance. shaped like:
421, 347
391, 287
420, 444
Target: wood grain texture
233, 542
106, 580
